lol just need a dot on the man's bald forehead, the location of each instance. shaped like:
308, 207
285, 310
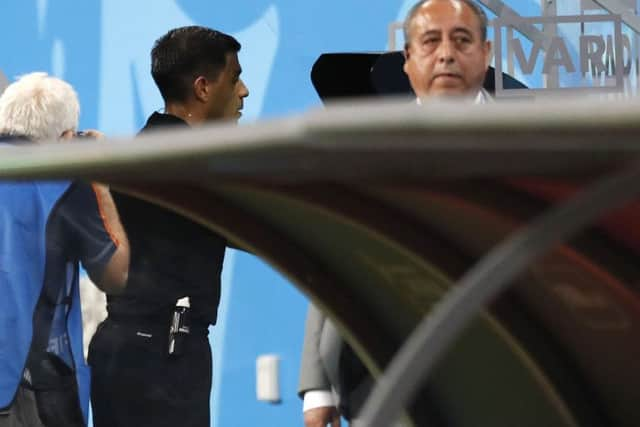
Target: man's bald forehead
475, 8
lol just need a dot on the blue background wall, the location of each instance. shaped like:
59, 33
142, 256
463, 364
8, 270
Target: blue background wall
102, 48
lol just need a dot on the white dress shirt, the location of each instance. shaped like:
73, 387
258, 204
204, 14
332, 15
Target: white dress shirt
317, 399
483, 97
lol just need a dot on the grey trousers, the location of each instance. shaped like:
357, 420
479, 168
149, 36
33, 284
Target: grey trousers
23, 412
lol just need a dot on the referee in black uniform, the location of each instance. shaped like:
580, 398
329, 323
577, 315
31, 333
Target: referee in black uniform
135, 379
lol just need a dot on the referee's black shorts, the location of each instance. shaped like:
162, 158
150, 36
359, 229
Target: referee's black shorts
134, 383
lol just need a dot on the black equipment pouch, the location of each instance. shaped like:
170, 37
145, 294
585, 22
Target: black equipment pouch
56, 392
51, 378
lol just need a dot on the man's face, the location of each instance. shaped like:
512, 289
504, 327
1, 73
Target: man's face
227, 91
445, 53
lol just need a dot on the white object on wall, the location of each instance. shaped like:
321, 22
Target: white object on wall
268, 378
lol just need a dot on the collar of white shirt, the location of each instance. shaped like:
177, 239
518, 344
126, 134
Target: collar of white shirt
481, 98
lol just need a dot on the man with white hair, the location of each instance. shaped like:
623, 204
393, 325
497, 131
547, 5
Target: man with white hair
46, 229
39, 107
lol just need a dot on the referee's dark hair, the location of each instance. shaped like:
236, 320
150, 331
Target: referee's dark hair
183, 54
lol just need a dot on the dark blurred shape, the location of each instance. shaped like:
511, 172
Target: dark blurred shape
343, 75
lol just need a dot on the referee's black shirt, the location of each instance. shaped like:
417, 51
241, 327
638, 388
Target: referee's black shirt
171, 257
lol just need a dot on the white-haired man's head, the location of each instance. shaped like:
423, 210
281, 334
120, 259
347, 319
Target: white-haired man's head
39, 107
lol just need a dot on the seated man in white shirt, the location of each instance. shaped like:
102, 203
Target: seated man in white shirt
446, 54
